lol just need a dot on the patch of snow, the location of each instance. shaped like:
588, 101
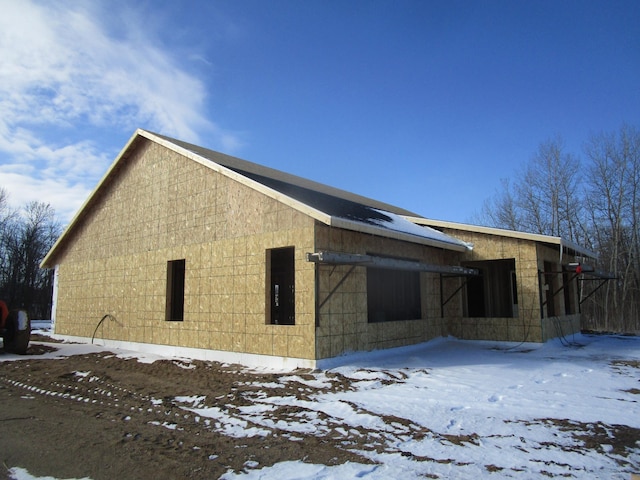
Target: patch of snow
300, 470
186, 365
256, 409
17, 473
170, 426
194, 400
314, 383
227, 424
401, 224
471, 409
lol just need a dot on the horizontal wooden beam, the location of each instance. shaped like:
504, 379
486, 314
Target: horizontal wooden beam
376, 261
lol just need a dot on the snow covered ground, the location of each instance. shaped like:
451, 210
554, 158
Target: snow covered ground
455, 409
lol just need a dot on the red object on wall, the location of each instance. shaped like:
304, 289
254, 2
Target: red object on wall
4, 313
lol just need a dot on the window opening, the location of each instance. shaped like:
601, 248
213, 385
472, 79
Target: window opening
493, 293
569, 294
475, 296
175, 290
514, 292
549, 288
281, 286
393, 295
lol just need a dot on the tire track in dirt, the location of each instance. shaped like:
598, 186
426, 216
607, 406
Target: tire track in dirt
138, 415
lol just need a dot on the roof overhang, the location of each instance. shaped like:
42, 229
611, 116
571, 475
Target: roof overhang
563, 244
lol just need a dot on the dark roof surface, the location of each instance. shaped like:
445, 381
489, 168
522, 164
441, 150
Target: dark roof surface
330, 200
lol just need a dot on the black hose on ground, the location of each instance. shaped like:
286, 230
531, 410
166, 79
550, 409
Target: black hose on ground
108, 315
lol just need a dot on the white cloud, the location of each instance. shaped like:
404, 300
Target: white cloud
61, 66
63, 73
65, 198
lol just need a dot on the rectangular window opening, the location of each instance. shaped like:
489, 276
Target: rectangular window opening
493, 293
550, 287
569, 294
393, 295
175, 290
280, 285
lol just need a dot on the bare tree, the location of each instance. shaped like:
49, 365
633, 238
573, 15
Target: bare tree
27, 236
547, 192
600, 211
7, 233
501, 210
544, 198
613, 200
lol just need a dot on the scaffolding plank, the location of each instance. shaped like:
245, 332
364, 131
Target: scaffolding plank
339, 258
588, 270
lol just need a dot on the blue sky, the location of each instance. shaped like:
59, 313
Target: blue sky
422, 104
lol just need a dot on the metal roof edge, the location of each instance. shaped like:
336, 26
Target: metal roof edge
585, 252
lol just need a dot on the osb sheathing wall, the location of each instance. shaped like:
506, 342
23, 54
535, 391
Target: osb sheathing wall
159, 207
529, 260
342, 319
560, 324
526, 326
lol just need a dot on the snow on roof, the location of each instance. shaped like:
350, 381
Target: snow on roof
399, 224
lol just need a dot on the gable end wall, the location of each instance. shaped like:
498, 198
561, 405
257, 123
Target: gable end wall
160, 206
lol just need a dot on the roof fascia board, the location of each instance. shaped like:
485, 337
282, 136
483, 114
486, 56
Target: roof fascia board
488, 230
74, 220
394, 234
585, 252
506, 233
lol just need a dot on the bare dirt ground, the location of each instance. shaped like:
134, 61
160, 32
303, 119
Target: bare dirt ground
55, 422
105, 417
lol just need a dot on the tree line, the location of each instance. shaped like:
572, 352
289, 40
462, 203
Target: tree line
26, 235
592, 200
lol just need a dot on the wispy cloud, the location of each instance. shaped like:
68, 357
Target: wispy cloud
64, 73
